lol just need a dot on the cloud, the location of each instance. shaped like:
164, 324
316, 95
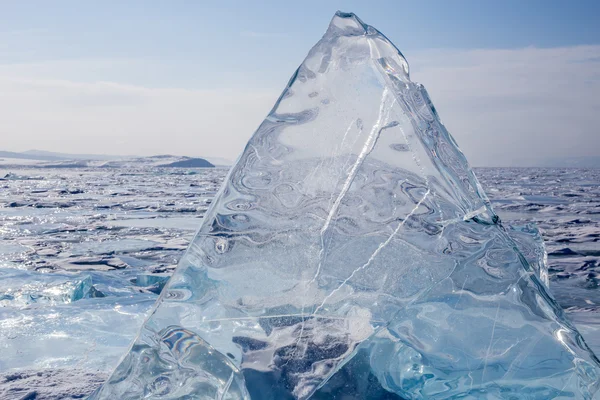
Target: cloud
106, 117
518, 106
504, 107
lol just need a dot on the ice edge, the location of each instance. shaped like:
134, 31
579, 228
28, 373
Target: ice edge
349, 24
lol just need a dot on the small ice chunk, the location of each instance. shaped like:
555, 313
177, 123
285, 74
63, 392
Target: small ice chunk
20, 288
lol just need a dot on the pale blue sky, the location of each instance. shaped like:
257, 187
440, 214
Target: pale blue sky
68, 67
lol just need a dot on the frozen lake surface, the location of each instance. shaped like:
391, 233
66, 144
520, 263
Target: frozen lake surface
84, 254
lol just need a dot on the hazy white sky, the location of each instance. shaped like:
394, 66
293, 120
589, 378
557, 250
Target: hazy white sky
85, 83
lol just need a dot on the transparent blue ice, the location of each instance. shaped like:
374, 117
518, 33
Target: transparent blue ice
352, 254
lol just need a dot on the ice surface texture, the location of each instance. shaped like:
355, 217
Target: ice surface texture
351, 253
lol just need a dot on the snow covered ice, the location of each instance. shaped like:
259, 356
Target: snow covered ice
351, 253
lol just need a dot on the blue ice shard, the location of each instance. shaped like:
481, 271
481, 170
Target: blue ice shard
352, 254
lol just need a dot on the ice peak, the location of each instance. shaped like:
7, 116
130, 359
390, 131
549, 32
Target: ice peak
348, 25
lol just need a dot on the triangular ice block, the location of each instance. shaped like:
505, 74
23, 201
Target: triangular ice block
352, 254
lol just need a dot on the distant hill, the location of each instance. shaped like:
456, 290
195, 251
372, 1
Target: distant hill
57, 160
42, 155
190, 163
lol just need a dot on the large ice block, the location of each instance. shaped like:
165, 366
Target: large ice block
352, 254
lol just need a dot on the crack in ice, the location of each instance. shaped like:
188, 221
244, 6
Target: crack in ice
375, 253
323, 229
332, 211
223, 392
487, 353
366, 150
385, 243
